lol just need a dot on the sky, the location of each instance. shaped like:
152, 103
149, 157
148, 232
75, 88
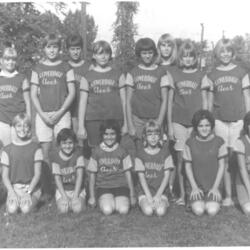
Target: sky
180, 18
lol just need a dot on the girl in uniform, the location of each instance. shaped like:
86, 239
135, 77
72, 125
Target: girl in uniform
185, 98
242, 149
147, 89
229, 99
68, 169
204, 157
167, 50
103, 95
15, 94
21, 168
153, 164
110, 182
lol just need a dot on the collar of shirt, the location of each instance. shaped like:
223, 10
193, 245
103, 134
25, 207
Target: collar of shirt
104, 147
8, 74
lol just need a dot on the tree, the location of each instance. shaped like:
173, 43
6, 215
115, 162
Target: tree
24, 26
72, 25
124, 32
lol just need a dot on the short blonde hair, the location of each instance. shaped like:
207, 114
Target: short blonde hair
167, 38
223, 43
9, 52
187, 48
21, 117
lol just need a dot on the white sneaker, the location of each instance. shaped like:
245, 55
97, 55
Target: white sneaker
227, 202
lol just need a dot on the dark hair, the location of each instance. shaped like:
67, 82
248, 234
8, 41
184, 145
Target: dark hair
111, 124
145, 44
246, 123
66, 134
201, 115
73, 41
51, 38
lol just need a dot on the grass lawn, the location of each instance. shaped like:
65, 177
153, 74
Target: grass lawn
47, 228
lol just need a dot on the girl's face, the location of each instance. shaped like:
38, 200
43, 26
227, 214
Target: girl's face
23, 130
188, 60
102, 59
153, 138
75, 53
225, 56
166, 49
67, 147
204, 129
109, 137
9, 63
147, 57
51, 51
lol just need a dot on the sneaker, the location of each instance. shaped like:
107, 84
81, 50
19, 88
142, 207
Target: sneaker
227, 202
180, 202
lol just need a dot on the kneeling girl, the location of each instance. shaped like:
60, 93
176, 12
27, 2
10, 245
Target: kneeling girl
204, 157
110, 181
153, 164
21, 168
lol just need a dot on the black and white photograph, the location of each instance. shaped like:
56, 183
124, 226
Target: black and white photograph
124, 124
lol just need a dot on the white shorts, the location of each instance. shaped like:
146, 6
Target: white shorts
181, 134
70, 194
229, 131
45, 133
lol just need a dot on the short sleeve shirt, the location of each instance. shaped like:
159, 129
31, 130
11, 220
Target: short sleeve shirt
52, 81
153, 166
79, 72
11, 96
242, 146
20, 160
147, 84
110, 166
204, 157
67, 168
103, 88
228, 87
187, 95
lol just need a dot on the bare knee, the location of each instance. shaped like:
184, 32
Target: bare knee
107, 209
77, 205
122, 204
12, 209
26, 208
146, 209
198, 208
212, 208
160, 211
246, 208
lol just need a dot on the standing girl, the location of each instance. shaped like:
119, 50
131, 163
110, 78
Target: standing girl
153, 163
229, 99
167, 50
103, 95
21, 168
204, 157
110, 167
242, 149
15, 94
185, 98
147, 89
